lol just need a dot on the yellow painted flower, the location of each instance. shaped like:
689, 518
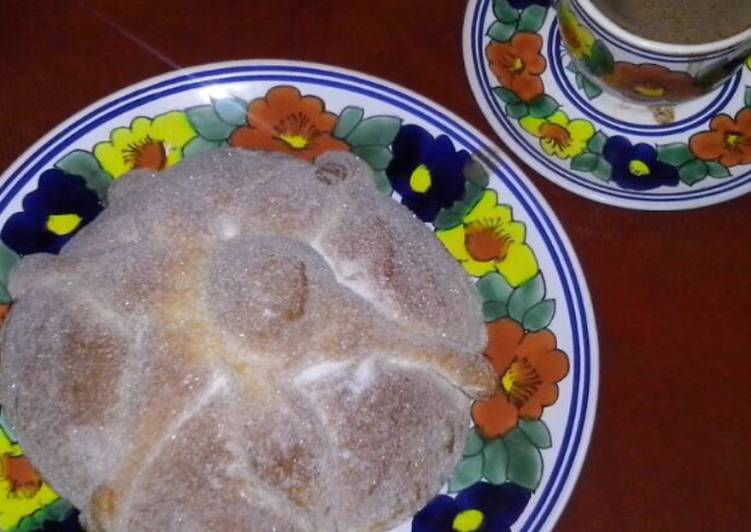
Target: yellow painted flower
488, 239
578, 39
22, 492
468, 521
152, 144
558, 135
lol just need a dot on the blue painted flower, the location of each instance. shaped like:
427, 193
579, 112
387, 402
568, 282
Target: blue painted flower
51, 214
69, 524
426, 172
521, 4
636, 167
482, 507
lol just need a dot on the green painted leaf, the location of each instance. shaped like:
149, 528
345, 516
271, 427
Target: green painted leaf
8, 259
493, 287
207, 123
447, 218
467, 472
375, 131
474, 444
532, 18
543, 107
504, 11
717, 170
4, 294
382, 183
537, 432
524, 460
475, 173
348, 120
747, 97
505, 95
199, 145
517, 110
496, 461
78, 162
378, 157
30, 523
571, 67
693, 172
539, 316
591, 91
494, 310
461, 208
502, 31
58, 510
5, 426
585, 162
84, 164
710, 74
578, 79
472, 194
604, 170
231, 110
597, 142
600, 61
525, 297
676, 154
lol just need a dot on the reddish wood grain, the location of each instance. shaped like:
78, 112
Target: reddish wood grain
671, 290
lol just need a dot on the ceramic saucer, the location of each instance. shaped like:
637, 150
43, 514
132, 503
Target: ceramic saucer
692, 155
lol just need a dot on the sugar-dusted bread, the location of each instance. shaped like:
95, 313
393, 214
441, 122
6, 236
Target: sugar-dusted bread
245, 342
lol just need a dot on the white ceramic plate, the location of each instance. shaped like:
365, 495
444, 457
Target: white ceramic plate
477, 201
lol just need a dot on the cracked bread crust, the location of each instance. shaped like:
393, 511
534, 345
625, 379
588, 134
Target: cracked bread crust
245, 342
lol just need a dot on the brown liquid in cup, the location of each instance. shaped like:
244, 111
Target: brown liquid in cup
679, 21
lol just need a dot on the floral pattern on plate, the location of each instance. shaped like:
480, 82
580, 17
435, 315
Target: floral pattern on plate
563, 131
502, 463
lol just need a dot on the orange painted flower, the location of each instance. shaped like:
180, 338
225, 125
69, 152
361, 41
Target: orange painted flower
649, 82
528, 367
728, 141
517, 65
287, 122
22, 479
4, 311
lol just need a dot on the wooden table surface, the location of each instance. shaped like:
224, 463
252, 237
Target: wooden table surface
671, 291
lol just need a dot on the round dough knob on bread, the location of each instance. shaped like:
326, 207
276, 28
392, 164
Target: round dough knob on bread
245, 342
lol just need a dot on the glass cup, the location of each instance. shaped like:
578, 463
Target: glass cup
641, 70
